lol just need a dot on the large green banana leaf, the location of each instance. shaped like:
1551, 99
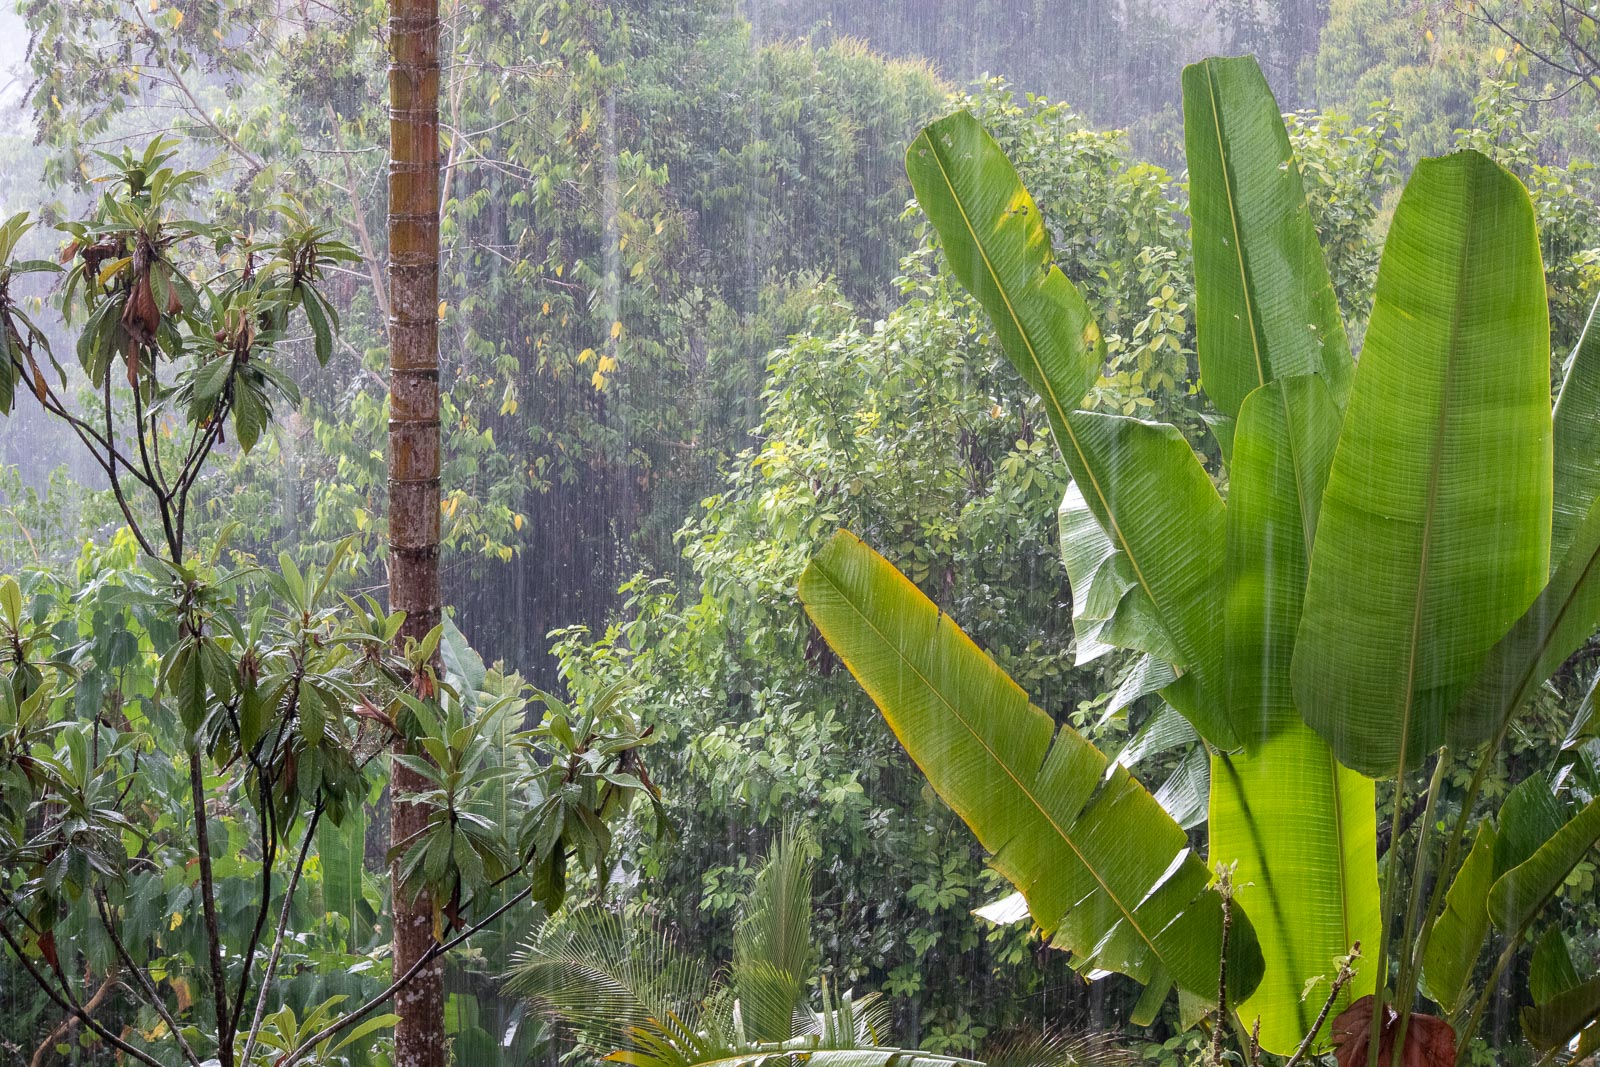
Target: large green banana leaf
1434, 531
343, 850
1142, 482
1557, 624
1283, 811
1040, 800
1577, 439
1265, 307
1457, 934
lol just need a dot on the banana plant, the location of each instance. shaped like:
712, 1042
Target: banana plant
1376, 593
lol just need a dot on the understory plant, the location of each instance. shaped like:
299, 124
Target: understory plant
1405, 554
633, 994
185, 734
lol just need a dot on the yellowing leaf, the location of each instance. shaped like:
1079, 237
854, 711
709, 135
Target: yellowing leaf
607, 364
546, 309
616, 330
1499, 55
586, 355
443, 306
598, 381
176, 920
544, 38
516, 522
177, 18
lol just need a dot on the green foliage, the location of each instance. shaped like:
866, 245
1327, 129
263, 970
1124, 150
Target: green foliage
1411, 564
636, 996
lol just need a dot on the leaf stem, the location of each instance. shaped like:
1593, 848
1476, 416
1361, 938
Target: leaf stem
1410, 935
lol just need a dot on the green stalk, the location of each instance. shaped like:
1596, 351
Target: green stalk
1410, 963
1381, 985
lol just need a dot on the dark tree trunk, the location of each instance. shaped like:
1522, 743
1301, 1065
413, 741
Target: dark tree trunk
414, 460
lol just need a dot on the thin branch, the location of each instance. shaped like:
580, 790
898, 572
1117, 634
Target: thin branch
69, 1003
277, 940
151, 994
1346, 972
49, 1043
208, 901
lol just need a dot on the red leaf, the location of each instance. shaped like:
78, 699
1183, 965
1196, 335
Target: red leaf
1429, 1040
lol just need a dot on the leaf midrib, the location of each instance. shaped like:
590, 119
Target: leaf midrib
1178, 638
1414, 637
1061, 832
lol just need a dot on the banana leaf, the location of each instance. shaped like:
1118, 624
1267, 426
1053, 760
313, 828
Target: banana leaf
1040, 800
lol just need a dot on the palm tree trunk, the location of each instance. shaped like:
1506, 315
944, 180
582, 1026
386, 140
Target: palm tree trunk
414, 460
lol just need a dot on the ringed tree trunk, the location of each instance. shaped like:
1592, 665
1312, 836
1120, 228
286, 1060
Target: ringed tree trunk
414, 462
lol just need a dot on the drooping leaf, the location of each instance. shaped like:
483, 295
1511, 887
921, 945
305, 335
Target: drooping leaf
1518, 895
1434, 531
1561, 1018
1265, 307
1040, 800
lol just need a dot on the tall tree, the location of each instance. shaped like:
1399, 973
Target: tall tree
414, 467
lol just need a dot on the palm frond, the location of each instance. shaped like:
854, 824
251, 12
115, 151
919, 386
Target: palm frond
774, 955
609, 975
1059, 1050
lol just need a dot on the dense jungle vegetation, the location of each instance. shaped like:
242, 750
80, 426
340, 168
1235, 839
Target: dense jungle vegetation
1206, 673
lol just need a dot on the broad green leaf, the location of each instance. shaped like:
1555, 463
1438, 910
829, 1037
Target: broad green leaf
1283, 448
1560, 1019
1265, 307
997, 245
1459, 931
1515, 899
1557, 624
1577, 439
1140, 481
1434, 531
1302, 834
1550, 972
1040, 800
343, 852
1283, 811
